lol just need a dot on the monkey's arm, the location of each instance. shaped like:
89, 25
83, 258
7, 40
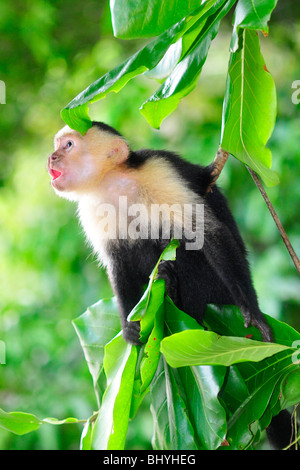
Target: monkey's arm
129, 270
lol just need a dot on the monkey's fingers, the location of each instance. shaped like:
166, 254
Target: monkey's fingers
262, 326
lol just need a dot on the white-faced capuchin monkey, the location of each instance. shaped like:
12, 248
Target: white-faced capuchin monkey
166, 194
132, 203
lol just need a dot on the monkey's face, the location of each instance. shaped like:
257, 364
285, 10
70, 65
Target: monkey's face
79, 163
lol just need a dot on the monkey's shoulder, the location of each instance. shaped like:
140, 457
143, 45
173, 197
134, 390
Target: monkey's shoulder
166, 164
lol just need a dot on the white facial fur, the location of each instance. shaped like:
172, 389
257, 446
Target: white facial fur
83, 161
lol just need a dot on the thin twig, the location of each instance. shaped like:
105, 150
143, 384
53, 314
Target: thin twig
282, 232
294, 444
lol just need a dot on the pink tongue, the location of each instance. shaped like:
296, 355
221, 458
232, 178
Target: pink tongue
56, 174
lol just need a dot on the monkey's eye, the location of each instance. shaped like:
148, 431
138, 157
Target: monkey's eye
68, 145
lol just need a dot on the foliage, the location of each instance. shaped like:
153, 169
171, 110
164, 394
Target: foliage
178, 54
193, 407
249, 107
49, 51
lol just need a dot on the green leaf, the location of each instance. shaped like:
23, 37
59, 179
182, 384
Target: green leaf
86, 435
252, 389
95, 328
253, 14
169, 253
22, 423
290, 389
132, 19
151, 352
167, 63
249, 108
150, 312
183, 78
200, 387
18, 422
58, 422
198, 347
229, 321
153, 297
263, 380
75, 114
172, 427
110, 428
235, 391
176, 320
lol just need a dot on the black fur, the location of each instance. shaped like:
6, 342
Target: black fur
218, 273
106, 128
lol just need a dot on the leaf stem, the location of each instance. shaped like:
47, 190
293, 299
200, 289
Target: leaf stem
276, 219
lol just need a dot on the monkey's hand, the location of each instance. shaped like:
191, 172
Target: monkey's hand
131, 332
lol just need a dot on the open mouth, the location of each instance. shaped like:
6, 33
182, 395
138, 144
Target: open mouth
54, 173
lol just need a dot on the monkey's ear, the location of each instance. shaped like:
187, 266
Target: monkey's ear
119, 151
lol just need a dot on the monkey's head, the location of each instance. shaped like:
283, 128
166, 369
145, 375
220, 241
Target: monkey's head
80, 162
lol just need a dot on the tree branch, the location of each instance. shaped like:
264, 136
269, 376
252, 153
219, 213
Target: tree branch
217, 165
276, 219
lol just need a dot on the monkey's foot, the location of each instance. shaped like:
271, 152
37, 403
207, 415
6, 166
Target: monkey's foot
131, 332
260, 323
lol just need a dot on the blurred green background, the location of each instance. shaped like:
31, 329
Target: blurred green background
50, 51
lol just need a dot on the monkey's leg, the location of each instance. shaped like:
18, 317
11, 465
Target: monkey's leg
128, 293
166, 271
227, 259
130, 329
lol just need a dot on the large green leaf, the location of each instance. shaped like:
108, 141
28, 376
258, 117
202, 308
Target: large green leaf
95, 328
253, 14
152, 299
263, 382
75, 114
150, 312
183, 78
110, 428
148, 18
172, 426
199, 387
249, 109
150, 356
199, 347
252, 391
129, 369
202, 385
